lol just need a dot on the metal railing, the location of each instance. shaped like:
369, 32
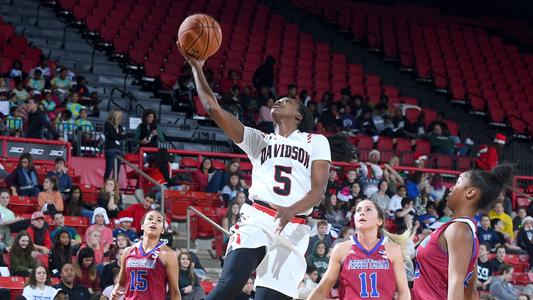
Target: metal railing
190, 210
143, 174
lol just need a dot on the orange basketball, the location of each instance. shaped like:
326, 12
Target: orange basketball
200, 36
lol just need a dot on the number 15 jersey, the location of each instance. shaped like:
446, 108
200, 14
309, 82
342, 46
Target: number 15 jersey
146, 275
281, 171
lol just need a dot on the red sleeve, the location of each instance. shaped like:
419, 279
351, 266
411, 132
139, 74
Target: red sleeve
31, 234
200, 178
492, 159
47, 240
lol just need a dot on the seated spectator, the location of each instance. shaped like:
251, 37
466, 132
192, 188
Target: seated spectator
65, 124
189, 284
59, 221
49, 105
330, 117
501, 286
382, 121
335, 212
94, 242
85, 270
366, 125
4, 90
350, 178
16, 71
391, 175
521, 214
380, 197
408, 208
124, 228
23, 180
430, 217
37, 122
8, 222
14, 123
84, 125
61, 252
484, 268
198, 268
107, 276
344, 234
347, 120
231, 217
110, 198
497, 212
318, 258
122, 241
400, 123
356, 193
229, 82
50, 200
20, 92
247, 292
108, 289
437, 188
99, 221
487, 235
148, 133
241, 198
22, 257
411, 185
81, 87
36, 82
322, 235
38, 287
67, 284
440, 143
333, 181
524, 238
75, 206
232, 187
446, 215
61, 84
264, 121
39, 233
64, 181
396, 200
500, 257
203, 174
138, 210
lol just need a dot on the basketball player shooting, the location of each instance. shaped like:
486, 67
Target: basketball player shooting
289, 176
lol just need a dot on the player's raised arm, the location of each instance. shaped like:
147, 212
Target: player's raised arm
171, 264
119, 289
228, 122
332, 273
399, 271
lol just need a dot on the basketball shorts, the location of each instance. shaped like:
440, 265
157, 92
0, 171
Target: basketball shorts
284, 265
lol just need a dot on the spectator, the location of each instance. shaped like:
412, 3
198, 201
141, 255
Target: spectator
380, 197
521, 214
161, 169
347, 119
322, 235
418, 128
446, 215
138, 210
500, 257
265, 118
84, 125
412, 183
330, 117
67, 284
333, 181
489, 156
22, 256
241, 198
43, 67
36, 83
73, 106
309, 283
39, 233
366, 125
85, 270
437, 188
400, 123
107, 276
230, 82
318, 258
335, 212
37, 122
50, 200
407, 209
114, 135
14, 122
148, 133
49, 105
81, 87
23, 180
8, 222
247, 292
232, 187
38, 287
344, 234
232, 216
124, 227
4, 90
110, 198
524, 238
20, 92
393, 178
59, 221
497, 212
188, 282
122, 241
94, 242
61, 252
264, 75
487, 235
497, 224
75, 206
203, 174
440, 143
430, 217
108, 289
356, 193
440, 121
64, 181
501, 285
370, 180
420, 160
99, 221
484, 268
66, 126
382, 121
61, 84
396, 200
350, 178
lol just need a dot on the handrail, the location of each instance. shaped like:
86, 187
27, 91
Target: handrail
143, 174
201, 215
124, 94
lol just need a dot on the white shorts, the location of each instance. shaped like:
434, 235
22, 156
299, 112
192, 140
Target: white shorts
284, 265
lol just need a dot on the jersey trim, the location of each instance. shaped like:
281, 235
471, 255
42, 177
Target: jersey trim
376, 247
151, 251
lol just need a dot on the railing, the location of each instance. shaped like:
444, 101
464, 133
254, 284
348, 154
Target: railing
201, 215
143, 174
124, 94
42, 151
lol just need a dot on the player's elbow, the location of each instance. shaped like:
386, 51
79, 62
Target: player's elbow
320, 198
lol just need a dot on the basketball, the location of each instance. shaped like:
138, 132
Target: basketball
200, 36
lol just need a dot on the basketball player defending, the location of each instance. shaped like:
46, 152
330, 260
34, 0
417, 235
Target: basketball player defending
289, 176
147, 267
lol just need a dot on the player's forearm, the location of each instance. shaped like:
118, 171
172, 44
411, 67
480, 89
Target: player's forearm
404, 295
456, 289
319, 293
310, 199
175, 295
206, 95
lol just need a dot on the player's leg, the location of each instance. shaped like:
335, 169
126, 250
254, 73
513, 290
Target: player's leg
238, 266
264, 293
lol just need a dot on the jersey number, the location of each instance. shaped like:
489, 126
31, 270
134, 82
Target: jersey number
285, 190
138, 280
373, 285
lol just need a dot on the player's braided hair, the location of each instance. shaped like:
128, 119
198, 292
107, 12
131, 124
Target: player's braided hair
306, 123
342, 149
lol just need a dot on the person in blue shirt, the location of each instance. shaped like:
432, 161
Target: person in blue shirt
59, 220
63, 179
486, 234
125, 228
430, 217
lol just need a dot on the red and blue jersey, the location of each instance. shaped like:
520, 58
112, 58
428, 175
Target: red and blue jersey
146, 275
367, 273
431, 273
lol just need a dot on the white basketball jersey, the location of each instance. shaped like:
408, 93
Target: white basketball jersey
281, 171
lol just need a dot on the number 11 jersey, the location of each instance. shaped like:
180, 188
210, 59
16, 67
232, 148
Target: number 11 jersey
146, 275
281, 171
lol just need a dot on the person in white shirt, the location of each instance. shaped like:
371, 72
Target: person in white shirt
38, 287
396, 200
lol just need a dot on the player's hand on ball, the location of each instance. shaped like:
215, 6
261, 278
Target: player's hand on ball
194, 62
284, 214
118, 292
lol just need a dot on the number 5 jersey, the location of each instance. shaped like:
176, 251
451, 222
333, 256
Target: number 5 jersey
146, 276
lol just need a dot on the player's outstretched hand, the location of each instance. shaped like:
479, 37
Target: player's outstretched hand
118, 292
284, 214
194, 62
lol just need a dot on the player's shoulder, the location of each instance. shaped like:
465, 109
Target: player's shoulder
166, 254
341, 249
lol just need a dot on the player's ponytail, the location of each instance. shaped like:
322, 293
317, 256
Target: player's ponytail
400, 239
341, 148
491, 184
